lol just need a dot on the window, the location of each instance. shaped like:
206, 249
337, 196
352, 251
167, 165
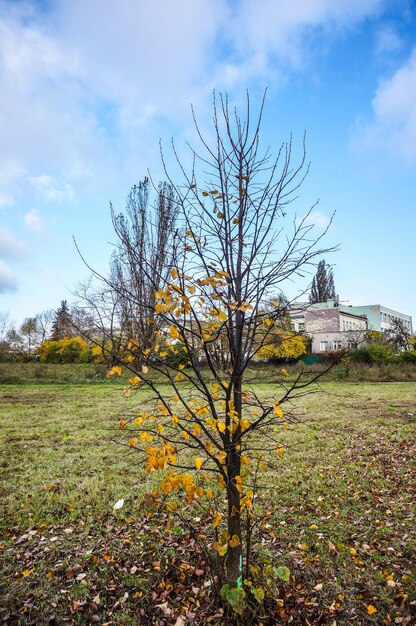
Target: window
301, 326
323, 346
336, 345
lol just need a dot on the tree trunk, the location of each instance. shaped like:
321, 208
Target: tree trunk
234, 564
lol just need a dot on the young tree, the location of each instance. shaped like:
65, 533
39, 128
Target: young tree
232, 249
323, 287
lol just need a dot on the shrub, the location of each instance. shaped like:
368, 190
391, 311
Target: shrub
381, 353
360, 355
408, 357
66, 350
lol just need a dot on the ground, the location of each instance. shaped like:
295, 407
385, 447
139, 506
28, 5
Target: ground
338, 511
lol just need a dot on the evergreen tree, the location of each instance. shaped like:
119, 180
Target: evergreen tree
323, 287
63, 324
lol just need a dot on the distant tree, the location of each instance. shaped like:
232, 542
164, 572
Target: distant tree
45, 321
5, 326
141, 263
24, 340
63, 325
323, 287
122, 310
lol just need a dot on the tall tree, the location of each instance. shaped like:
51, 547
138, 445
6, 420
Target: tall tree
323, 287
63, 325
232, 249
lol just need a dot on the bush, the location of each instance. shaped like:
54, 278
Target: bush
381, 353
360, 355
373, 353
408, 357
66, 350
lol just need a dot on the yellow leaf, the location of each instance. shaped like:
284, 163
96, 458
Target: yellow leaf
134, 381
244, 425
123, 424
235, 220
115, 370
160, 429
192, 289
278, 410
133, 442
222, 550
371, 609
145, 369
284, 372
280, 452
220, 215
198, 463
234, 541
217, 518
27, 572
221, 426
174, 273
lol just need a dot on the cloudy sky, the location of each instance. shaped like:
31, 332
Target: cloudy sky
88, 87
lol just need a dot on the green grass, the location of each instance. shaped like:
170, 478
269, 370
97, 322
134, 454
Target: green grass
338, 510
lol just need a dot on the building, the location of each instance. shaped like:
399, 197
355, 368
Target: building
332, 326
383, 319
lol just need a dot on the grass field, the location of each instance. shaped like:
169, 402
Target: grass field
342, 514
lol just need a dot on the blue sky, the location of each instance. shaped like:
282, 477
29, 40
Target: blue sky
88, 87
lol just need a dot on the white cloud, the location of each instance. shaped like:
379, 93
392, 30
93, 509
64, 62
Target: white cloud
388, 41
394, 113
34, 222
318, 219
8, 280
6, 200
89, 83
11, 247
51, 189
281, 29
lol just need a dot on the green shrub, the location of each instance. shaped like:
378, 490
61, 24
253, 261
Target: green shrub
360, 355
408, 357
381, 353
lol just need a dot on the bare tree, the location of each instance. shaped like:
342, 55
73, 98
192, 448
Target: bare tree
24, 340
100, 304
399, 334
232, 250
45, 320
5, 327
